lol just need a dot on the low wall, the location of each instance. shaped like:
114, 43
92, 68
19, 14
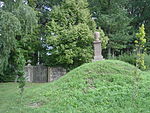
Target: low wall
42, 73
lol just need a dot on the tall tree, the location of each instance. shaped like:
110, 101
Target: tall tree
139, 11
9, 27
28, 39
70, 34
17, 23
113, 18
43, 8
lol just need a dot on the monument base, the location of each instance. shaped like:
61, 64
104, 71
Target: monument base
98, 58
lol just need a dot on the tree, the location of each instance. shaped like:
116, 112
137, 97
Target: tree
70, 34
113, 18
17, 23
104, 39
43, 8
9, 27
28, 39
140, 43
138, 10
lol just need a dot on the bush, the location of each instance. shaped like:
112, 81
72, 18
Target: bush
147, 61
131, 59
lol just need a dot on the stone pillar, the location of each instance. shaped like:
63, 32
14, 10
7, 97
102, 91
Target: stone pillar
97, 47
29, 72
50, 74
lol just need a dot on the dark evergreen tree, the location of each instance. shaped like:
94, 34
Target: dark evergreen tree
139, 11
113, 18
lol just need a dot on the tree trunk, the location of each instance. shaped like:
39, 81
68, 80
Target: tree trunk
113, 54
109, 53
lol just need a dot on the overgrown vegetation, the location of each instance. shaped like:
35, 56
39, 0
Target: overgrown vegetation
17, 23
140, 44
131, 59
9, 28
147, 61
105, 86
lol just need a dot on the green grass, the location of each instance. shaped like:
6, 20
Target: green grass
100, 87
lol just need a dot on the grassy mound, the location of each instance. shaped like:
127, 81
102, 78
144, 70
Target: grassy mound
107, 86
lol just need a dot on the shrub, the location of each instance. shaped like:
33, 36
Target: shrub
131, 59
147, 61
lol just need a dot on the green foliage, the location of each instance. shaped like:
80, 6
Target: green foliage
147, 61
9, 28
131, 59
70, 34
140, 61
103, 38
32, 3
15, 26
139, 12
71, 13
140, 42
99, 87
20, 64
73, 46
9, 73
28, 19
30, 45
112, 17
28, 40
11, 5
17, 23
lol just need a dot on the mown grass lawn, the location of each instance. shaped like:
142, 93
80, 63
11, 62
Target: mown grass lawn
10, 99
102, 87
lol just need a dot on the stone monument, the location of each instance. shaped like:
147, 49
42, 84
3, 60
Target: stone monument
97, 47
29, 72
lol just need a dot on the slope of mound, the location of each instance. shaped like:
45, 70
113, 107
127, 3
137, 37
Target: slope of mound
108, 86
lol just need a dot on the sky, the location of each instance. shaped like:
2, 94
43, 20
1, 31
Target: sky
1, 4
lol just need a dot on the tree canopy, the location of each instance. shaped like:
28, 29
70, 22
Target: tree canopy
9, 27
16, 25
70, 31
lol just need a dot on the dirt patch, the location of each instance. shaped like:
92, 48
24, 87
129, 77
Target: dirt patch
36, 104
90, 81
90, 85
